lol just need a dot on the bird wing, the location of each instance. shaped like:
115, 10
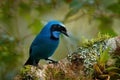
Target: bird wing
30, 50
34, 43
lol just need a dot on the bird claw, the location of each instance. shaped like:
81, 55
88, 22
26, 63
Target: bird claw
52, 61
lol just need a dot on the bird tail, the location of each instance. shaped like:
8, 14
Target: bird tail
29, 61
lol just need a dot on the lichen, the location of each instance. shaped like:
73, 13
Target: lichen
88, 51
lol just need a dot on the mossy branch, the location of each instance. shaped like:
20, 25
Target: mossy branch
94, 60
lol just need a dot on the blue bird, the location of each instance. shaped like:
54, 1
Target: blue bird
46, 42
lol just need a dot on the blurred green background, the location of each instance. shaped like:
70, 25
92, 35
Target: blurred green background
21, 21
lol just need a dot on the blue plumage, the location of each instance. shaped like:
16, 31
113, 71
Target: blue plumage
46, 42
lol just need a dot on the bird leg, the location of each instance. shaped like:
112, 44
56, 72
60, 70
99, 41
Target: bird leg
35, 63
52, 61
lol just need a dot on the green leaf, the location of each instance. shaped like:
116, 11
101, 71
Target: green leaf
104, 56
112, 68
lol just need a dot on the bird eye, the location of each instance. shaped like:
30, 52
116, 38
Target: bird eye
56, 27
59, 26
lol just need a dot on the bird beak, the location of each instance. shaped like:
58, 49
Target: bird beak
65, 33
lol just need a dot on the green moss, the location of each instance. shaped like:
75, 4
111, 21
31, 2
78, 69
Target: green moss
29, 73
100, 37
25, 69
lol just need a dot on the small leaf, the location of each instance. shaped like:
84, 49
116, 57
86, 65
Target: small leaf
112, 68
104, 76
97, 69
114, 73
104, 56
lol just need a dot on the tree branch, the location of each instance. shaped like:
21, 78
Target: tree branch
80, 65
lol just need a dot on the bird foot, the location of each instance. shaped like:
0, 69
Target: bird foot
52, 61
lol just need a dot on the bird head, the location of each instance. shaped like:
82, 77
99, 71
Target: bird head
53, 29
56, 29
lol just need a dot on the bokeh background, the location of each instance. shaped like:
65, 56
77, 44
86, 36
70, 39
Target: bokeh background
22, 20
